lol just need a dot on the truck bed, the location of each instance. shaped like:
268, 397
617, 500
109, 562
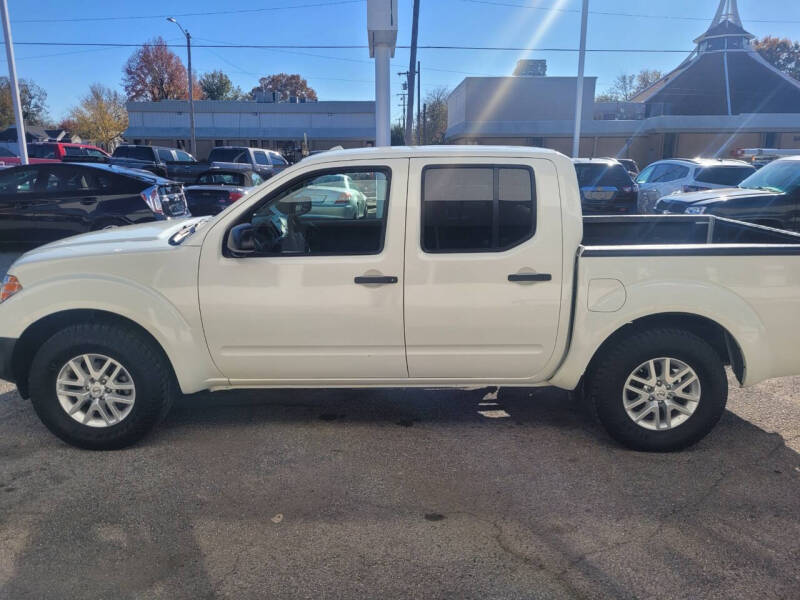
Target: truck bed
682, 234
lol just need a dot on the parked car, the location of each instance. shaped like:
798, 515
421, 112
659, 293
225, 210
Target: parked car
333, 195
51, 151
630, 165
606, 186
479, 271
8, 158
218, 188
687, 175
171, 163
770, 197
264, 162
45, 202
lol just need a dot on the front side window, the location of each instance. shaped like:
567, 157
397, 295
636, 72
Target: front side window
646, 174
75, 151
164, 155
314, 216
184, 156
261, 158
477, 209
277, 159
18, 181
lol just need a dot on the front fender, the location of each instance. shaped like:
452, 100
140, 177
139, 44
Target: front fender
650, 298
173, 321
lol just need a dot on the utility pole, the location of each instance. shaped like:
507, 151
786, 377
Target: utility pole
411, 72
193, 141
403, 106
22, 145
576, 138
419, 102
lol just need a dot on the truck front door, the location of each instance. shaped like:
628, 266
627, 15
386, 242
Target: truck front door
321, 296
483, 268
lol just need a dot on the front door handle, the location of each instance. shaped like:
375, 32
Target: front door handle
530, 277
375, 279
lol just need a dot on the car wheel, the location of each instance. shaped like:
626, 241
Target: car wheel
658, 390
101, 386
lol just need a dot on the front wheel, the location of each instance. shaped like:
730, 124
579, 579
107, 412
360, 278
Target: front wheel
658, 390
100, 386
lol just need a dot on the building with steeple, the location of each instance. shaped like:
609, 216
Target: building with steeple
724, 75
724, 96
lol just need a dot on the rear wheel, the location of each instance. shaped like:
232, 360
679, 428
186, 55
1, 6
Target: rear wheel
658, 390
100, 386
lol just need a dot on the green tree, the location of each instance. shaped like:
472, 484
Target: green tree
398, 135
782, 53
216, 85
32, 98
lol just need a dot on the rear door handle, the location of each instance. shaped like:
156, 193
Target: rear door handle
375, 279
530, 277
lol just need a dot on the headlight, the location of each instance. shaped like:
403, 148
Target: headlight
695, 210
11, 286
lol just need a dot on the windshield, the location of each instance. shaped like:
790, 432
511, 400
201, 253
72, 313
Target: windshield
780, 176
592, 174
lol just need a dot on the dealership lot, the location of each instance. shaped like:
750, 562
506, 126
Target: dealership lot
410, 493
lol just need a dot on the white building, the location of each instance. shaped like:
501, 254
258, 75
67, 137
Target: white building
280, 126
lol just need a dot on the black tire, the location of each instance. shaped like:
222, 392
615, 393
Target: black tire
609, 373
144, 360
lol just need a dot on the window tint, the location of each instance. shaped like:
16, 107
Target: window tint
184, 156
93, 152
645, 175
141, 153
594, 174
308, 217
221, 178
164, 155
120, 152
233, 155
75, 151
16, 181
724, 175
42, 151
277, 159
261, 158
476, 209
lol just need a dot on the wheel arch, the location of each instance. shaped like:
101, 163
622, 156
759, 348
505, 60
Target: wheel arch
41, 330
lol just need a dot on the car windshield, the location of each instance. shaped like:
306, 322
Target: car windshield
593, 174
780, 176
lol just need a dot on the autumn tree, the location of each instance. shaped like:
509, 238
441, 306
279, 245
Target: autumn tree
101, 115
286, 86
782, 53
626, 86
216, 85
32, 98
154, 72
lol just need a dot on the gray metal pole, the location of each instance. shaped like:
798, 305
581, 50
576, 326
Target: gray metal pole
191, 95
411, 72
419, 101
12, 80
576, 138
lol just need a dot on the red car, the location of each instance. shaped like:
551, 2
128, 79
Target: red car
48, 152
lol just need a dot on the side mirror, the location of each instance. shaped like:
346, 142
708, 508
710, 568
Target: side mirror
240, 239
296, 207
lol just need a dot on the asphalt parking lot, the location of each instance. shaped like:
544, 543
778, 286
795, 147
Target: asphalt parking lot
402, 494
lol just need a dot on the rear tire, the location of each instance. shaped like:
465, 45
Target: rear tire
108, 411
658, 390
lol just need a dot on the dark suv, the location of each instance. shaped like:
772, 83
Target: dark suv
46, 202
606, 186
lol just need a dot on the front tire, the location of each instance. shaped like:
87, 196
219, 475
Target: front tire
100, 386
658, 390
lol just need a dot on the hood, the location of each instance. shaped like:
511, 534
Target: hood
716, 195
146, 237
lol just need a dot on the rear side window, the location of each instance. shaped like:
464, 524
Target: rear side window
74, 151
277, 159
164, 155
477, 209
140, 153
724, 175
261, 158
42, 151
669, 173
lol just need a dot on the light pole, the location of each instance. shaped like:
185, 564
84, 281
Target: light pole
22, 146
193, 141
576, 138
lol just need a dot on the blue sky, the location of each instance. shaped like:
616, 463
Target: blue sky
336, 74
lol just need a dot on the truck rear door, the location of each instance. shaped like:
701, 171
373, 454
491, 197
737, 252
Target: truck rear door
483, 267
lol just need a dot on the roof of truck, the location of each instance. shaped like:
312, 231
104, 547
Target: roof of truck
441, 151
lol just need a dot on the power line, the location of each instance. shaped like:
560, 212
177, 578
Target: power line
358, 47
610, 13
192, 14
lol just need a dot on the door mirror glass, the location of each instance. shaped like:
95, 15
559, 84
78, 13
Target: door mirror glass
241, 239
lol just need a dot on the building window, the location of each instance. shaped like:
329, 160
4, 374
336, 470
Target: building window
770, 139
219, 143
254, 143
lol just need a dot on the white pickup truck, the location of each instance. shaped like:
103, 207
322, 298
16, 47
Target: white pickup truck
472, 266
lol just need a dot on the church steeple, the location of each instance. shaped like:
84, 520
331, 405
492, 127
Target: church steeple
726, 31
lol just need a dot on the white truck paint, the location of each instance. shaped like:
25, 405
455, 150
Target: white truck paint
451, 319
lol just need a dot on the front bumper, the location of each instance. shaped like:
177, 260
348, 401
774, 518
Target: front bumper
6, 353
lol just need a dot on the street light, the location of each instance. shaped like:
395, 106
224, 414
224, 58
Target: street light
193, 140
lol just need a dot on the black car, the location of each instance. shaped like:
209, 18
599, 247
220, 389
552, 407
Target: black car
172, 163
218, 188
46, 202
606, 186
770, 196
